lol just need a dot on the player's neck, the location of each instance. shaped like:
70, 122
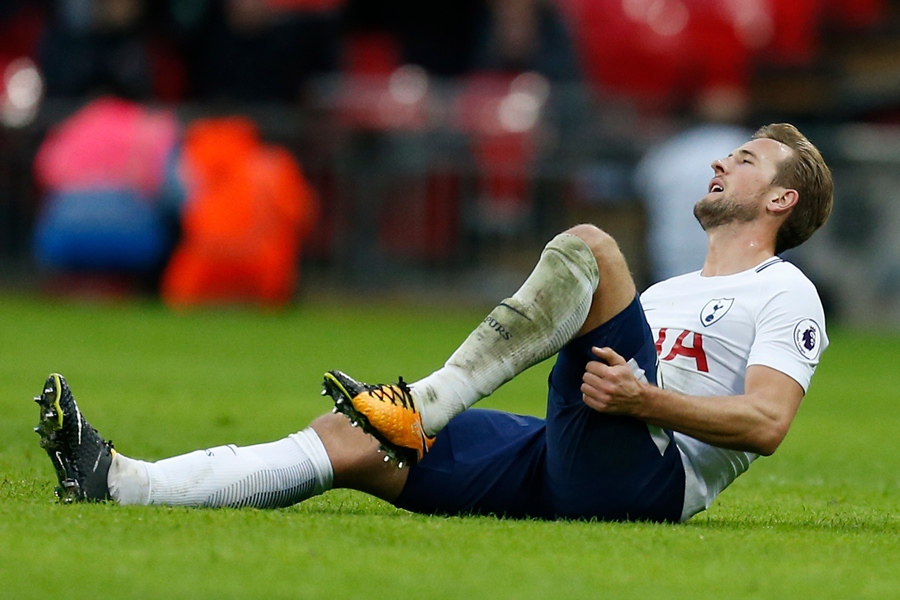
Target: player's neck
733, 249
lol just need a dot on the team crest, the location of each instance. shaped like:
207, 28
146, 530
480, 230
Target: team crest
808, 338
714, 310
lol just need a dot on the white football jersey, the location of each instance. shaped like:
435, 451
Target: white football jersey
708, 330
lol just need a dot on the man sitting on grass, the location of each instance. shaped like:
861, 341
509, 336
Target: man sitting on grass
655, 404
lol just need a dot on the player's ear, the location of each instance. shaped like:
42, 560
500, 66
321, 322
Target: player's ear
784, 201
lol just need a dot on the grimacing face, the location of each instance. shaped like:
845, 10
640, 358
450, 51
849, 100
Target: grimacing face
742, 184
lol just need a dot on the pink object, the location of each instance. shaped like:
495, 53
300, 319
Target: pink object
110, 143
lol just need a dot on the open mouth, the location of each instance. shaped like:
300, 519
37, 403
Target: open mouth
715, 186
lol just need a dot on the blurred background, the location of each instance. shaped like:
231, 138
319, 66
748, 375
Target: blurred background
262, 151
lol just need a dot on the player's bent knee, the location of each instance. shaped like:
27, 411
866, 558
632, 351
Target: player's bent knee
616, 288
603, 245
575, 253
610, 260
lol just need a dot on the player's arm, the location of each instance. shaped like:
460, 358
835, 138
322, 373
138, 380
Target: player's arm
755, 421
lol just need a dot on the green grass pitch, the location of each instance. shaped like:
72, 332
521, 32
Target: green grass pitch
819, 519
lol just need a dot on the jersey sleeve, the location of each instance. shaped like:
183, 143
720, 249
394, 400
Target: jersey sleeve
790, 332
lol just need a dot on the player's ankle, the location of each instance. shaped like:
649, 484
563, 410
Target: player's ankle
437, 403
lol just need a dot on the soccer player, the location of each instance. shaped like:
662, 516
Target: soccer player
655, 404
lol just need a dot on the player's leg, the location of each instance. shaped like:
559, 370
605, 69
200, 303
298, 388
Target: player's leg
483, 462
560, 295
567, 289
602, 466
275, 474
355, 459
615, 289
328, 454
270, 475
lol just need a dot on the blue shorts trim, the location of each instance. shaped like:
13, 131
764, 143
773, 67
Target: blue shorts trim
577, 463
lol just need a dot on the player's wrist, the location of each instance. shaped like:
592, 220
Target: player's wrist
648, 401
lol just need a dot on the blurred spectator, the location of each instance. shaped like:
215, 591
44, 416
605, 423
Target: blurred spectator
456, 39
102, 173
527, 35
674, 175
247, 212
264, 50
661, 54
94, 47
440, 37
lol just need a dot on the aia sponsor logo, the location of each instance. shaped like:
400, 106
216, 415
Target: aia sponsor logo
687, 345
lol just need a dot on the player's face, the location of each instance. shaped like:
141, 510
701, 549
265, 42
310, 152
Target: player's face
742, 183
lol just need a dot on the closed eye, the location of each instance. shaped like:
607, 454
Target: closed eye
746, 156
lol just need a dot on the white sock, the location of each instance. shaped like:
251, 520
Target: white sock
544, 314
269, 475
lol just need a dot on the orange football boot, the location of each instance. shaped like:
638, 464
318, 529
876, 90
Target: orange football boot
387, 412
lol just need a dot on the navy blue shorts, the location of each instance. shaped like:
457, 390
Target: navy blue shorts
577, 463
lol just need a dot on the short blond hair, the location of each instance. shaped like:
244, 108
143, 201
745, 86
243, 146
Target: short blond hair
805, 171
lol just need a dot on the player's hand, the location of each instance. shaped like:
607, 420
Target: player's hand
609, 386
